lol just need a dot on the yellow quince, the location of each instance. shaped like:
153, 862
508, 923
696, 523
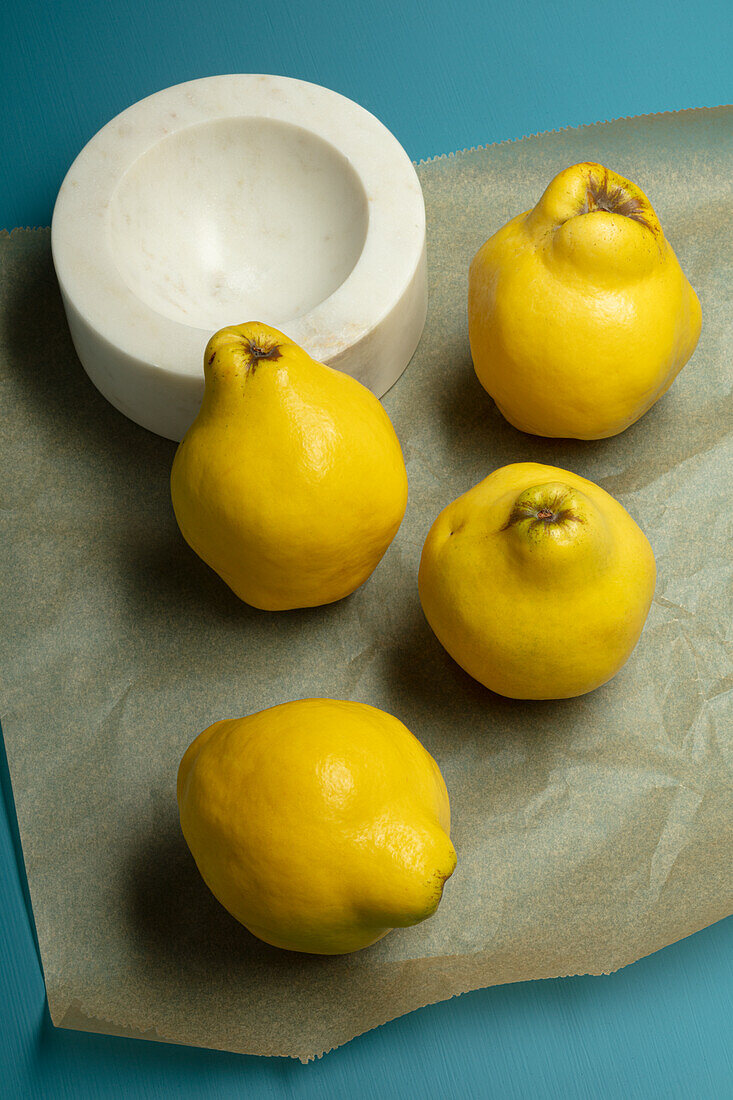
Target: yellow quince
537, 582
319, 824
579, 314
290, 483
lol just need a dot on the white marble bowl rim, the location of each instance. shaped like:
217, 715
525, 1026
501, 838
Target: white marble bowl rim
392, 250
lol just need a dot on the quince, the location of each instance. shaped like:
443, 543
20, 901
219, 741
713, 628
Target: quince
579, 314
319, 824
290, 483
537, 582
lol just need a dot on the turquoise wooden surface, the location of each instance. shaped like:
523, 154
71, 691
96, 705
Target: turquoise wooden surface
442, 76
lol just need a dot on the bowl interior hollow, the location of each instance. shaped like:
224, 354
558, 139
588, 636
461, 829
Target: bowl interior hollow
237, 219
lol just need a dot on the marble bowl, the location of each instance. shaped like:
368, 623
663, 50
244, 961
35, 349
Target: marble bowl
230, 199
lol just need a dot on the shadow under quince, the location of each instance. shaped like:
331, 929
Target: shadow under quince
476, 429
423, 682
177, 921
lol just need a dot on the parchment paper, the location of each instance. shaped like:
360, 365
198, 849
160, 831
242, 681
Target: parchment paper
589, 832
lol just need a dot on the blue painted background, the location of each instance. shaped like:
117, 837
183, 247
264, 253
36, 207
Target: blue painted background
442, 75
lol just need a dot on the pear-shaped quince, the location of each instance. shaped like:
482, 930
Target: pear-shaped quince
579, 314
290, 483
318, 824
537, 582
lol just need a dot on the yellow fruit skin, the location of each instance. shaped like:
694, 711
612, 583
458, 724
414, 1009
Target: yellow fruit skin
537, 608
579, 314
290, 483
319, 824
